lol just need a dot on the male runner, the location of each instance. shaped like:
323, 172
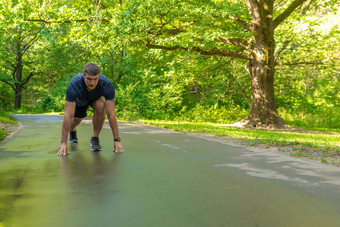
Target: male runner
89, 88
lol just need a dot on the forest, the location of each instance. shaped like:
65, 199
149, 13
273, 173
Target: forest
265, 62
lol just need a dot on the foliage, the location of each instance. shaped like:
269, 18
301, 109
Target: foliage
5, 97
176, 85
17, 38
327, 118
309, 76
53, 100
212, 114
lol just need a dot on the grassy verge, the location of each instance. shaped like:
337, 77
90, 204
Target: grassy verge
5, 120
319, 145
3, 133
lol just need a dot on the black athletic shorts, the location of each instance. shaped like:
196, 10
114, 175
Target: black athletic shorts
81, 111
81, 107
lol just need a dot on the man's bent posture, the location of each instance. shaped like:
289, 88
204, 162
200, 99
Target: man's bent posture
89, 88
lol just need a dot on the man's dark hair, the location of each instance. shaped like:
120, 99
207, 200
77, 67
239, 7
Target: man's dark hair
91, 69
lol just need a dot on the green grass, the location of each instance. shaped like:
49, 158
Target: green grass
5, 118
3, 133
328, 142
27, 111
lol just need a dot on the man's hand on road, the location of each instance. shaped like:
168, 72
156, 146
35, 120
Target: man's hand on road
62, 148
118, 145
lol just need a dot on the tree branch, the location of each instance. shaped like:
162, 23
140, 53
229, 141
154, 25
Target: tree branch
174, 31
14, 72
27, 78
285, 14
30, 42
160, 31
305, 8
68, 21
279, 4
99, 4
278, 53
233, 41
224, 53
254, 9
8, 68
302, 63
167, 12
6, 82
242, 23
243, 93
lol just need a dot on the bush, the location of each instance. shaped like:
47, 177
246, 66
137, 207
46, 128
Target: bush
51, 104
6, 97
329, 118
54, 98
213, 114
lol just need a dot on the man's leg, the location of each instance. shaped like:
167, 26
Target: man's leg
79, 114
75, 122
73, 134
98, 116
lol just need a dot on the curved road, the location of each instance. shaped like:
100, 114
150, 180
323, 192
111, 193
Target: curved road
164, 178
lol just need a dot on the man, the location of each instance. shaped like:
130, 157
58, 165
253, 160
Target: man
89, 88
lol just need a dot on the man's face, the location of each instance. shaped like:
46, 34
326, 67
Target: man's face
91, 81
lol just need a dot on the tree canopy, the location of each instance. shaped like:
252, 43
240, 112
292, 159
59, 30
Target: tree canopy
173, 59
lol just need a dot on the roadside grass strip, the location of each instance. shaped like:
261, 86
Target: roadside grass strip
6, 118
324, 141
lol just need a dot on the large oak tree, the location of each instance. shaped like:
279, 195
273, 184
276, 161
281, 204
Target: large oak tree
235, 29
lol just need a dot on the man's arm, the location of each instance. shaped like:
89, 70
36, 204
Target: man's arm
68, 115
111, 115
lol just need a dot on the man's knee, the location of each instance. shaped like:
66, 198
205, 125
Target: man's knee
99, 105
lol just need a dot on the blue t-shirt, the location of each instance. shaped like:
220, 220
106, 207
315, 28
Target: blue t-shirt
77, 91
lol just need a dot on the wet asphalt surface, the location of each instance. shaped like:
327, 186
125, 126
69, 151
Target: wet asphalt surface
164, 178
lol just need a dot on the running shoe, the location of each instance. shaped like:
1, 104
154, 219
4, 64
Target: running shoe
95, 146
73, 137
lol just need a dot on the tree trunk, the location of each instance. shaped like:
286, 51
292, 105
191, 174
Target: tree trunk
18, 92
261, 68
18, 83
263, 111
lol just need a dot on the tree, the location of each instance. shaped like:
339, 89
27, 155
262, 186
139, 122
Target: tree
17, 37
249, 33
240, 30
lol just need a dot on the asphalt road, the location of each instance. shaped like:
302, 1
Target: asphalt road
164, 178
